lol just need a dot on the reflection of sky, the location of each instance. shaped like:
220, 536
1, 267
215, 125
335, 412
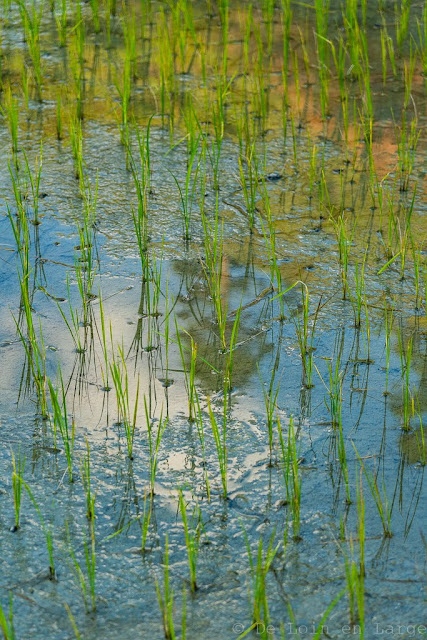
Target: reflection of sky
306, 248
261, 341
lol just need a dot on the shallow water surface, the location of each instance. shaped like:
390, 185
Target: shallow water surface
271, 321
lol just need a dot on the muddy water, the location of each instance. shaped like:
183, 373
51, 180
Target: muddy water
307, 573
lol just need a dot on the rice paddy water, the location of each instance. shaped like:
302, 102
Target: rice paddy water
213, 319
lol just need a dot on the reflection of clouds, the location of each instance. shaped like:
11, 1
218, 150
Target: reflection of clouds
411, 446
304, 241
410, 442
239, 285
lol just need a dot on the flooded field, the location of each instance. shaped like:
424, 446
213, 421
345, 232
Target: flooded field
213, 319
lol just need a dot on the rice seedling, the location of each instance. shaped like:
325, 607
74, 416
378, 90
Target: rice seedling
286, 28
165, 599
146, 519
294, 474
180, 33
259, 568
154, 441
59, 118
10, 111
422, 39
417, 262
268, 8
358, 300
345, 241
127, 419
367, 116
420, 439
31, 20
187, 192
77, 71
201, 434
402, 21
294, 141
270, 401
388, 320
302, 330
361, 530
18, 467
220, 438
291, 474
380, 189
249, 183
260, 95
355, 568
25, 86
189, 374
61, 24
232, 345
47, 532
224, 14
79, 34
405, 352
403, 234
142, 185
35, 362
124, 90
393, 229
167, 380
85, 261
166, 602
212, 266
218, 118
94, 5
335, 404
384, 508
407, 140
72, 323
192, 538
355, 588
409, 69
103, 340
391, 54
87, 484
107, 21
193, 127
76, 141
90, 558
6, 621
32, 342
34, 180
60, 422
285, 464
304, 341
269, 234
320, 629
86, 580
425, 286
322, 19
334, 389
20, 227
384, 38
6, 5
72, 621
151, 293
313, 169
167, 75
298, 100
